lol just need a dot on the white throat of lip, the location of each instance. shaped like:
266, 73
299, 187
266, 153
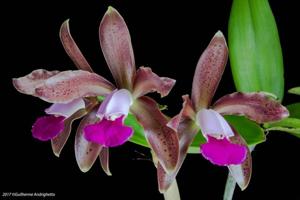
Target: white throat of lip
217, 136
113, 117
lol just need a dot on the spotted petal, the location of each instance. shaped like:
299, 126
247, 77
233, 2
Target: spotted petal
47, 127
256, 106
183, 124
108, 133
116, 46
162, 139
146, 81
209, 71
86, 152
222, 152
63, 87
186, 130
27, 84
72, 49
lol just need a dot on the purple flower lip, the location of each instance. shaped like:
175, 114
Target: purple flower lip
47, 127
108, 133
218, 149
222, 152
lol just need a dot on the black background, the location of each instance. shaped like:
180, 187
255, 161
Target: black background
167, 36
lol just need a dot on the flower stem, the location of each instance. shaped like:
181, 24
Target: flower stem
173, 192
229, 188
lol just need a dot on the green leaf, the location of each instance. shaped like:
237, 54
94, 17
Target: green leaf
254, 45
294, 110
198, 140
292, 131
138, 136
288, 125
251, 132
295, 90
287, 122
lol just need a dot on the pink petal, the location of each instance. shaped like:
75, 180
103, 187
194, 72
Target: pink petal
86, 152
257, 106
27, 84
63, 87
59, 141
108, 133
146, 81
66, 109
213, 124
222, 152
72, 49
209, 71
116, 46
162, 139
115, 104
47, 127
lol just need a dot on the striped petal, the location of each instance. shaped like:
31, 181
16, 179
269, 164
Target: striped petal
162, 139
62, 87
72, 49
146, 81
256, 106
116, 46
209, 71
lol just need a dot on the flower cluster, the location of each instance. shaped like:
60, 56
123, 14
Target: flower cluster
104, 106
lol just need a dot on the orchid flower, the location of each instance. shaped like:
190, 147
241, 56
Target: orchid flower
223, 146
75, 93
